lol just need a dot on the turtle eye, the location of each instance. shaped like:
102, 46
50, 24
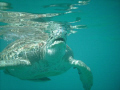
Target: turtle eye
65, 34
50, 37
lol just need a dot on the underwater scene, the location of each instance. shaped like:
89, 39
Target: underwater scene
39, 31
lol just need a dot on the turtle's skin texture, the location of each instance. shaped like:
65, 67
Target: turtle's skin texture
37, 59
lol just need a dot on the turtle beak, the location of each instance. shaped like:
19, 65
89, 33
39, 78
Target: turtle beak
57, 37
60, 39
60, 35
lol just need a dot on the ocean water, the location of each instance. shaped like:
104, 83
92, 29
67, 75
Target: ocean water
96, 42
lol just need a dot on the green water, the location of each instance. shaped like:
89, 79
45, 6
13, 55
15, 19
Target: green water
98, 46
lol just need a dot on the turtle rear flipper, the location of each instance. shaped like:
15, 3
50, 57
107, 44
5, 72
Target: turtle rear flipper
40, 79
85, 73
13, 63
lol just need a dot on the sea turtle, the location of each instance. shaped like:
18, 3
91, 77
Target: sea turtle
36, 59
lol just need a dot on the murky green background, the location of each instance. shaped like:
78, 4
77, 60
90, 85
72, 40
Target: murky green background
98, 46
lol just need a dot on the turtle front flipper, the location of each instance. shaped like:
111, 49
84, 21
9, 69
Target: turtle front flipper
85, 73
13, 63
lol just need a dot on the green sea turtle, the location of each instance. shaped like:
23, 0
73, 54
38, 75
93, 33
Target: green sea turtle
36, 59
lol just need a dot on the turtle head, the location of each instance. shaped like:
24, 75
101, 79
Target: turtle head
58, 35
56, 45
